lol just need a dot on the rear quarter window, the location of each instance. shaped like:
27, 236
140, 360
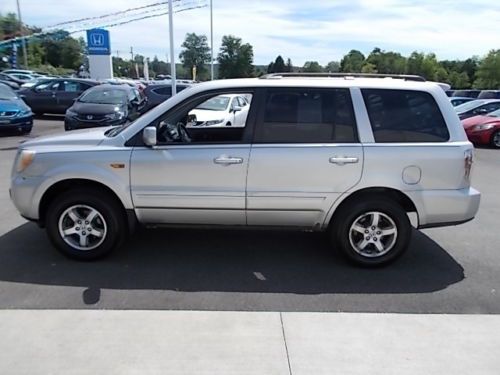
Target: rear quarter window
404, 116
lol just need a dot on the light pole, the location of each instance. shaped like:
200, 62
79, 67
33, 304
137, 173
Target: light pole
211, 41
23, 41
172, 57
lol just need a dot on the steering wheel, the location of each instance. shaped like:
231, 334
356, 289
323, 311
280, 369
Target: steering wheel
184, 135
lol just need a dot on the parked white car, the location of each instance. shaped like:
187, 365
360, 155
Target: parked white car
222, 110
355, 157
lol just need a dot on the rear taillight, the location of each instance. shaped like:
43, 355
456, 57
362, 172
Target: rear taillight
468, 160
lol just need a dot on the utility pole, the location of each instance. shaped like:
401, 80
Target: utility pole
172, 57
211, 41
132, 53
23, 40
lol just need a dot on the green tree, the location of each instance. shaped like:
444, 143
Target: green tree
289, 65
270, 67
159, 67
71, 53
387, 62
235, 59
36, 54
312, 67
332, 67
352, 62
196, 53
369, 68
279, 65
459, 80
488, 72
422, 65
441, 75
9, 25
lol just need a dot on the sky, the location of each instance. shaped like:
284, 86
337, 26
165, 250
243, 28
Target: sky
304, 30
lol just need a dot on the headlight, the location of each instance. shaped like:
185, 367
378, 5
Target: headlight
71, 113
24, 113
25, 159
483, 127
213, 122
116, 115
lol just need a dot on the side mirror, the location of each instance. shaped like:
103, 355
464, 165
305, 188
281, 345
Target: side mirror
237, 108
149, 136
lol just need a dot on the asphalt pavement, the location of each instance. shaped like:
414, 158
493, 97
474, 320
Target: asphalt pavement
446, 270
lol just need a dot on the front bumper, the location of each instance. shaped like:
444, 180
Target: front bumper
445, 207
16, 123
22, 192
72, 123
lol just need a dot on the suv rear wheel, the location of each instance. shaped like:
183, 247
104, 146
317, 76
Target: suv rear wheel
85, 224
372, 232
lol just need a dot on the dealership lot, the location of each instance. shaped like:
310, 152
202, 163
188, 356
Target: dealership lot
448, 270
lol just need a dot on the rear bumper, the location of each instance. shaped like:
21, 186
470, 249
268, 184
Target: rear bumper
438, 208
481, 138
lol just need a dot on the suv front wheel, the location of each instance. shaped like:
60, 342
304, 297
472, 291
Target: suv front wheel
372, 232
85, 224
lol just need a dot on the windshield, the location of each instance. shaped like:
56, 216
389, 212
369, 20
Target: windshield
104, 96
469, 105
494, 113
6, 93
219, 103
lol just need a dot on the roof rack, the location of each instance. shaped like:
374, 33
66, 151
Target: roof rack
405, 77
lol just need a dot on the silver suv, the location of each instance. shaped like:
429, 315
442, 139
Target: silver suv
350, 155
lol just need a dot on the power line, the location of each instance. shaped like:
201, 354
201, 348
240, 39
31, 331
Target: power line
190, 5
108, 14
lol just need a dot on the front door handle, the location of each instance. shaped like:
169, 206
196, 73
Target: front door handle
227, 160
341, 160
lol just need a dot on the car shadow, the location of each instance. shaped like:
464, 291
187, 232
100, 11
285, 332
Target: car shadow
225, 261
49, 117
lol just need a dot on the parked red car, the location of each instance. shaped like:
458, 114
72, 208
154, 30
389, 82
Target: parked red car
484, 129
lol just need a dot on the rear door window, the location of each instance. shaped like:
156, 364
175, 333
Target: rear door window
297, 115
404, 116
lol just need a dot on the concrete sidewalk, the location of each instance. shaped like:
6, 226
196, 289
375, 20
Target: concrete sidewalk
189, 342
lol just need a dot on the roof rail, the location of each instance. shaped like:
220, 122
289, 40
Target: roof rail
405, 77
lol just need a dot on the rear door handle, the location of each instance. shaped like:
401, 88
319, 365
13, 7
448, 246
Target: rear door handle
227, 160
341, 160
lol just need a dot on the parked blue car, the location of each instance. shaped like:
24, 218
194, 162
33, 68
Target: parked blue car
15, 115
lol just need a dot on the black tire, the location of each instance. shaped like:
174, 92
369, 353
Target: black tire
493, 143
345, 218
109, 209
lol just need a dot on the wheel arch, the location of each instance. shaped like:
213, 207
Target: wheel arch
393, 194
71, 183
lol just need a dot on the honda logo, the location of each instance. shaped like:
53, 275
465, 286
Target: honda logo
98, 40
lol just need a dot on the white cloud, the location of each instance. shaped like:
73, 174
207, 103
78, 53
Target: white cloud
322, 30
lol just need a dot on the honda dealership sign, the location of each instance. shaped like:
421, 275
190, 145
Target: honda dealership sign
98, 42
99, 51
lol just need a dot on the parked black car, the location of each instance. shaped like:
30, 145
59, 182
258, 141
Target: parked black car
55, 95
158, 93
466, 93
489, 94
13, 82
105, 105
